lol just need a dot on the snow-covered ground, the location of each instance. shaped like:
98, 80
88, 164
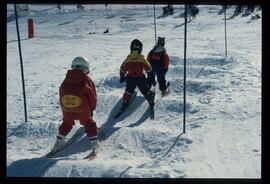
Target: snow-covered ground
223, 121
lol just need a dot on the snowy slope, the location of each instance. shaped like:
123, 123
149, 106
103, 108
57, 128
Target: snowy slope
223, 128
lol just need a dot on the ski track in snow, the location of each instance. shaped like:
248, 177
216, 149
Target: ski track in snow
223, 96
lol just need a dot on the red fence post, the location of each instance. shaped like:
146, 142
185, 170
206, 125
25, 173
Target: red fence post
30, 28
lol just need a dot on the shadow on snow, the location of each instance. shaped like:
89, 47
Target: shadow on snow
108, 127
38, 166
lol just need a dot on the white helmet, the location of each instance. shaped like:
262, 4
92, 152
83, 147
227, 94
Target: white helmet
80, 63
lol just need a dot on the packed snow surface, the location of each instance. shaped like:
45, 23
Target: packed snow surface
223, 107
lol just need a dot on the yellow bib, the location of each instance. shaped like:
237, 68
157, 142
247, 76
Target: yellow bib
136, 58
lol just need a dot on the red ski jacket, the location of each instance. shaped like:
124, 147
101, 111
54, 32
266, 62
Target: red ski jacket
134, 65
159, 55
78, 98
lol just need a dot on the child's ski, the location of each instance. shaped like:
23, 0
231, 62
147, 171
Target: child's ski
122, 110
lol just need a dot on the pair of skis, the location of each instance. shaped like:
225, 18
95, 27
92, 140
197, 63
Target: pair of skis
151, 108
77, 135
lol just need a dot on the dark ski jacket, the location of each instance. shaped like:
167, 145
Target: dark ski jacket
158, 58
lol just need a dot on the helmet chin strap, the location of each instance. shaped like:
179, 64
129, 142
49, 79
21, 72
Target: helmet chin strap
85, 71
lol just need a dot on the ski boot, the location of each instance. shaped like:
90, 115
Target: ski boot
150, 97
94, 145
126, 103
59, 143
124, 106
167, 90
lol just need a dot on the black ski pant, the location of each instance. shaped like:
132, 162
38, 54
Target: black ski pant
160, 73
133, 82
140, 82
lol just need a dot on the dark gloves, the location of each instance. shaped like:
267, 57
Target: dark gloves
122, 77
150, 80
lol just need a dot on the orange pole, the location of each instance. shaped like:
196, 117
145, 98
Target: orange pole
30, 28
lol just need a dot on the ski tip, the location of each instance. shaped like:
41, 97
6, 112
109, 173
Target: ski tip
92, 157
49, 155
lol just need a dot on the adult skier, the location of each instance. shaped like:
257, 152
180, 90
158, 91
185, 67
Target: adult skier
193, 11
238, 10
132, 71
78, 100
159, 60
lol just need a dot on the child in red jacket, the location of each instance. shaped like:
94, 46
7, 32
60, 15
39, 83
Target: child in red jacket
159, 60
133, 70
78, 100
